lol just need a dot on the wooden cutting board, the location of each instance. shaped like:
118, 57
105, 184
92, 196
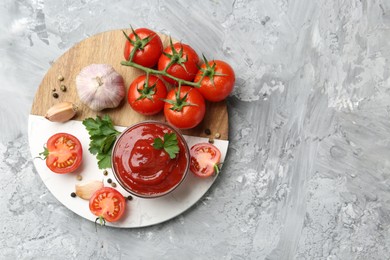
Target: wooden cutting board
107, 48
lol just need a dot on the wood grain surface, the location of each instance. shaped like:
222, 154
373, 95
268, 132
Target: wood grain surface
107, 48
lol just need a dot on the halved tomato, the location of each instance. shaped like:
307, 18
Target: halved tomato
107, 204
63, 153
205, 159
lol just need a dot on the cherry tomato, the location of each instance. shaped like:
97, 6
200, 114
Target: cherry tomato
107, 203
185, 65
150, 47
205, 158
63, 153
218, 81
184, 111
147, 100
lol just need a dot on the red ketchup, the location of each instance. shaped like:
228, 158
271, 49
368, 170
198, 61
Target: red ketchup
143, 170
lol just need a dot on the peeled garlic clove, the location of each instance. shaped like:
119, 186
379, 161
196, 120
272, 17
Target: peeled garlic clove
61, 112
85, 191
99, 86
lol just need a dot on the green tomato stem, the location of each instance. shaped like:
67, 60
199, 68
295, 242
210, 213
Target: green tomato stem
160, 72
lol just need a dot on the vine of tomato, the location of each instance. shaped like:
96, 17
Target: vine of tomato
148, 44
184, 109
182, 61
147, 100
218, 80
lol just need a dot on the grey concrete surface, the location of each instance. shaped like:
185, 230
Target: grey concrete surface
307, 172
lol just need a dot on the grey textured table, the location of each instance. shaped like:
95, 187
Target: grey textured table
307, 173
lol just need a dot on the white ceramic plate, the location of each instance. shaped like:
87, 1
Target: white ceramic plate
140, 212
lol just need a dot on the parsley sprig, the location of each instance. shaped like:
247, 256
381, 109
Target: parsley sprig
102, 136
169, 144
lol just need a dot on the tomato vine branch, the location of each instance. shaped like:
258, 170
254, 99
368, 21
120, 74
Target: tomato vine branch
162, 73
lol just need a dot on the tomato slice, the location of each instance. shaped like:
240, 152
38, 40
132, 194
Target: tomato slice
107, 203
63, 153
205, 158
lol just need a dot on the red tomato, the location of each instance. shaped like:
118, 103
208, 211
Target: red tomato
147, 100
205, 158
107, 203
185, 62
63, 153
149, 44
184, 111
218, 81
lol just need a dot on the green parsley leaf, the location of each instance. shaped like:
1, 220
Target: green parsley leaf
102, 136
169, 144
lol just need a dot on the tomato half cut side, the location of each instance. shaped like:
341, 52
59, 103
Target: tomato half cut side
205, 159
63, 153
107, 203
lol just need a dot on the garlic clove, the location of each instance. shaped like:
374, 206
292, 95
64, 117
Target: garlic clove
99, 86
61, 112
85, 191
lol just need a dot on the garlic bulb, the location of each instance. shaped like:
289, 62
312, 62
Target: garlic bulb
99, 86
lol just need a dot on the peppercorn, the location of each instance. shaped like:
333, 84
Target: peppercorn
211, 140
113, 184
207, 131
105, 172
55, 95
217, 135
130, 197
109, 180
73, 195
54, 89
79, 177
60, 78
63, 88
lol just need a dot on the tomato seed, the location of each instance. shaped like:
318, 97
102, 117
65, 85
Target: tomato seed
207, 131
73, 195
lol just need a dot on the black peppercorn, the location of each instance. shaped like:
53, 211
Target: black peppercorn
109, 180
73, 195
55, 95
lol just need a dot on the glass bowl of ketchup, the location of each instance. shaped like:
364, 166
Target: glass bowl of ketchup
143, 170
